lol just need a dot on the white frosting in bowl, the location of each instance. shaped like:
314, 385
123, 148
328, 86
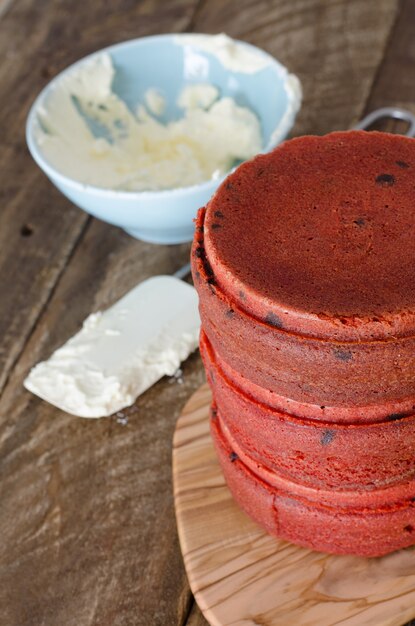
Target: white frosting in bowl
89, 134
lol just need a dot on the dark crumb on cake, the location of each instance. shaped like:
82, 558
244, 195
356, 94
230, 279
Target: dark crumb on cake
395, 416
233, 457
211, 286
327, 437
218, 214
215, 226
360, 221
260, 172
402, 164
214, 413
230, 312
199, 252
210, 278
229, 185
200, 229
342, 355
385, 180
273, 320
242, 295
409, 528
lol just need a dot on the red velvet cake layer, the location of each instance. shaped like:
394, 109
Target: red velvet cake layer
315, 453
318, 235
342, 529
377, 375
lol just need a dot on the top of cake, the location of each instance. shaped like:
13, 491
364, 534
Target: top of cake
319, 235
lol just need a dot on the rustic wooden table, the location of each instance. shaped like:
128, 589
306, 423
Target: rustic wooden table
88, 534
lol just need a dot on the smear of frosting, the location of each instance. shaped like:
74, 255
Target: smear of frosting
232, 54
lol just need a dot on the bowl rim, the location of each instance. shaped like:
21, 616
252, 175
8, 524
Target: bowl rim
76, 185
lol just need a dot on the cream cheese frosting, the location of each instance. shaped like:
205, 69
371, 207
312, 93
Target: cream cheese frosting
121, 352
232, 54
89, 134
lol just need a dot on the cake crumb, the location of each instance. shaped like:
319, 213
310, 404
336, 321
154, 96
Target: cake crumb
121, 418
177, 377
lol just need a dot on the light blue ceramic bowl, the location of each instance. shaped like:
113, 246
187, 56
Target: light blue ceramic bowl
166, 217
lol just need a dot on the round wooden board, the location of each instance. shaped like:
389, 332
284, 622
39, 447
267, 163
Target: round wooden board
244, 577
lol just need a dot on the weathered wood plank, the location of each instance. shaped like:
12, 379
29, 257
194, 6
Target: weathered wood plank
56, 530
394, 84
95, 518
87, 519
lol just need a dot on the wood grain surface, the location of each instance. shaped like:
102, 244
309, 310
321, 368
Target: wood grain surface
86, 516
242, 576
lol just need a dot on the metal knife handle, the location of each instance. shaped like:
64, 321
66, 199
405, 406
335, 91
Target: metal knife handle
183, 271
388, 112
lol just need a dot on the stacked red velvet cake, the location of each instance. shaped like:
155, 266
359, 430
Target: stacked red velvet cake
304, 261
